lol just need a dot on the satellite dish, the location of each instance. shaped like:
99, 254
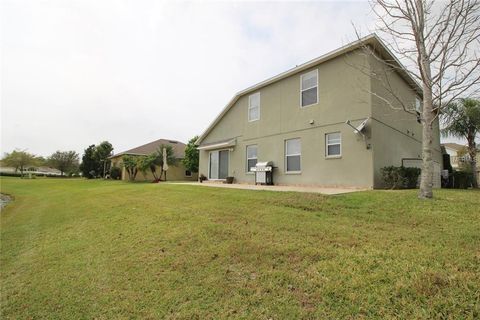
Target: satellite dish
359, 129
361, 126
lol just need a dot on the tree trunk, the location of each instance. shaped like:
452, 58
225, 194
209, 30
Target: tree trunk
472, 152
426, 180
474, 171
428, 115
154, 173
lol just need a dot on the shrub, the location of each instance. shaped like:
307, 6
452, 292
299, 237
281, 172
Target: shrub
115, 173
462, 179
10, 174
411, 177
400, 177
91, 174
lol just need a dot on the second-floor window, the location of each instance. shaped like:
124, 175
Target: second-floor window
251, 157
309, 88
293, 155
254, 107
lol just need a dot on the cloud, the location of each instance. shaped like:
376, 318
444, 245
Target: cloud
75, 73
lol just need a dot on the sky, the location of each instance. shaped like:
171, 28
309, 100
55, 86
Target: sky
78, 72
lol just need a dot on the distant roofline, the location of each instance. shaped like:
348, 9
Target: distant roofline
453, 145
124, 153
128, 152
370, 39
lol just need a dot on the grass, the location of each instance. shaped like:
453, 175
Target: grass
76, 249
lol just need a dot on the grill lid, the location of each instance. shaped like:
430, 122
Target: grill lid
264, 164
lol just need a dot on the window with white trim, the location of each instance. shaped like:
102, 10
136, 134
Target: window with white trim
254, 107
309, 88
418, 105
251, 157
293, 154
333, 144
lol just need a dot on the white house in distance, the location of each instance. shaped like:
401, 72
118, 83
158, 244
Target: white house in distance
454, 150
41, 171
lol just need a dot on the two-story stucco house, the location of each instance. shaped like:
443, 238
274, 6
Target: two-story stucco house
298, 119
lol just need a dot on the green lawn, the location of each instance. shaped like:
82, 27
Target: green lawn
77, 249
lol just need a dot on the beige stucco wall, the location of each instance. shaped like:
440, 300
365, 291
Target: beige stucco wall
281, 117
174, 173
396, 134
345, 93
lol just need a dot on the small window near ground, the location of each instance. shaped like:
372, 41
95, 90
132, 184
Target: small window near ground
309, 88
293, 154
251, 157
254, 107
333, 143
188, 173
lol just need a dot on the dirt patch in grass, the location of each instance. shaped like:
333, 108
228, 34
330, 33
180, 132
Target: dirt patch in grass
310, 202
4, 200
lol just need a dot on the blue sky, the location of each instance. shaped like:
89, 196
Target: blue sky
75, 73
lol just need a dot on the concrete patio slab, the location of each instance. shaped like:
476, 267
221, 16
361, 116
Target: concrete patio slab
308, 189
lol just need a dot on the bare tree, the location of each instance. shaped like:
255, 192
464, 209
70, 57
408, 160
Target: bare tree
440, 42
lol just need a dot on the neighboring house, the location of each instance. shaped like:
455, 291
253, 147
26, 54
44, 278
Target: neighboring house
175, 172
458, 154
297, 119
8, 170
47, 171
33, 170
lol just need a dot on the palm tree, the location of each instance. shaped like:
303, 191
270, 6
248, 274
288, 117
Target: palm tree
462, 120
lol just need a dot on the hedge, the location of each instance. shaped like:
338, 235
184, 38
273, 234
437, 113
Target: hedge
400, 177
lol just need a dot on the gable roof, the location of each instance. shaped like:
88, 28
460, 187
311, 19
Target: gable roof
372, 40
146, 149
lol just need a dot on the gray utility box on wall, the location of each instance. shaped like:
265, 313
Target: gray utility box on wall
264, 173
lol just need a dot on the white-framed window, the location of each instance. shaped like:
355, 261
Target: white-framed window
418, 104
188, 173
254, 107
293, 155
251, 157
333, 144
309, 88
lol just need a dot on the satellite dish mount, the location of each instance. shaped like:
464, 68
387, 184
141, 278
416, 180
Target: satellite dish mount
360, 130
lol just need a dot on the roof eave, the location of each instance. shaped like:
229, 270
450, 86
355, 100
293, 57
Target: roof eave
328, 56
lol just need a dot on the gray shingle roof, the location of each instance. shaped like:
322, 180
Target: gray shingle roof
146, 149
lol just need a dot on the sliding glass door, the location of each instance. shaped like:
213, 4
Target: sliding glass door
218, 164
